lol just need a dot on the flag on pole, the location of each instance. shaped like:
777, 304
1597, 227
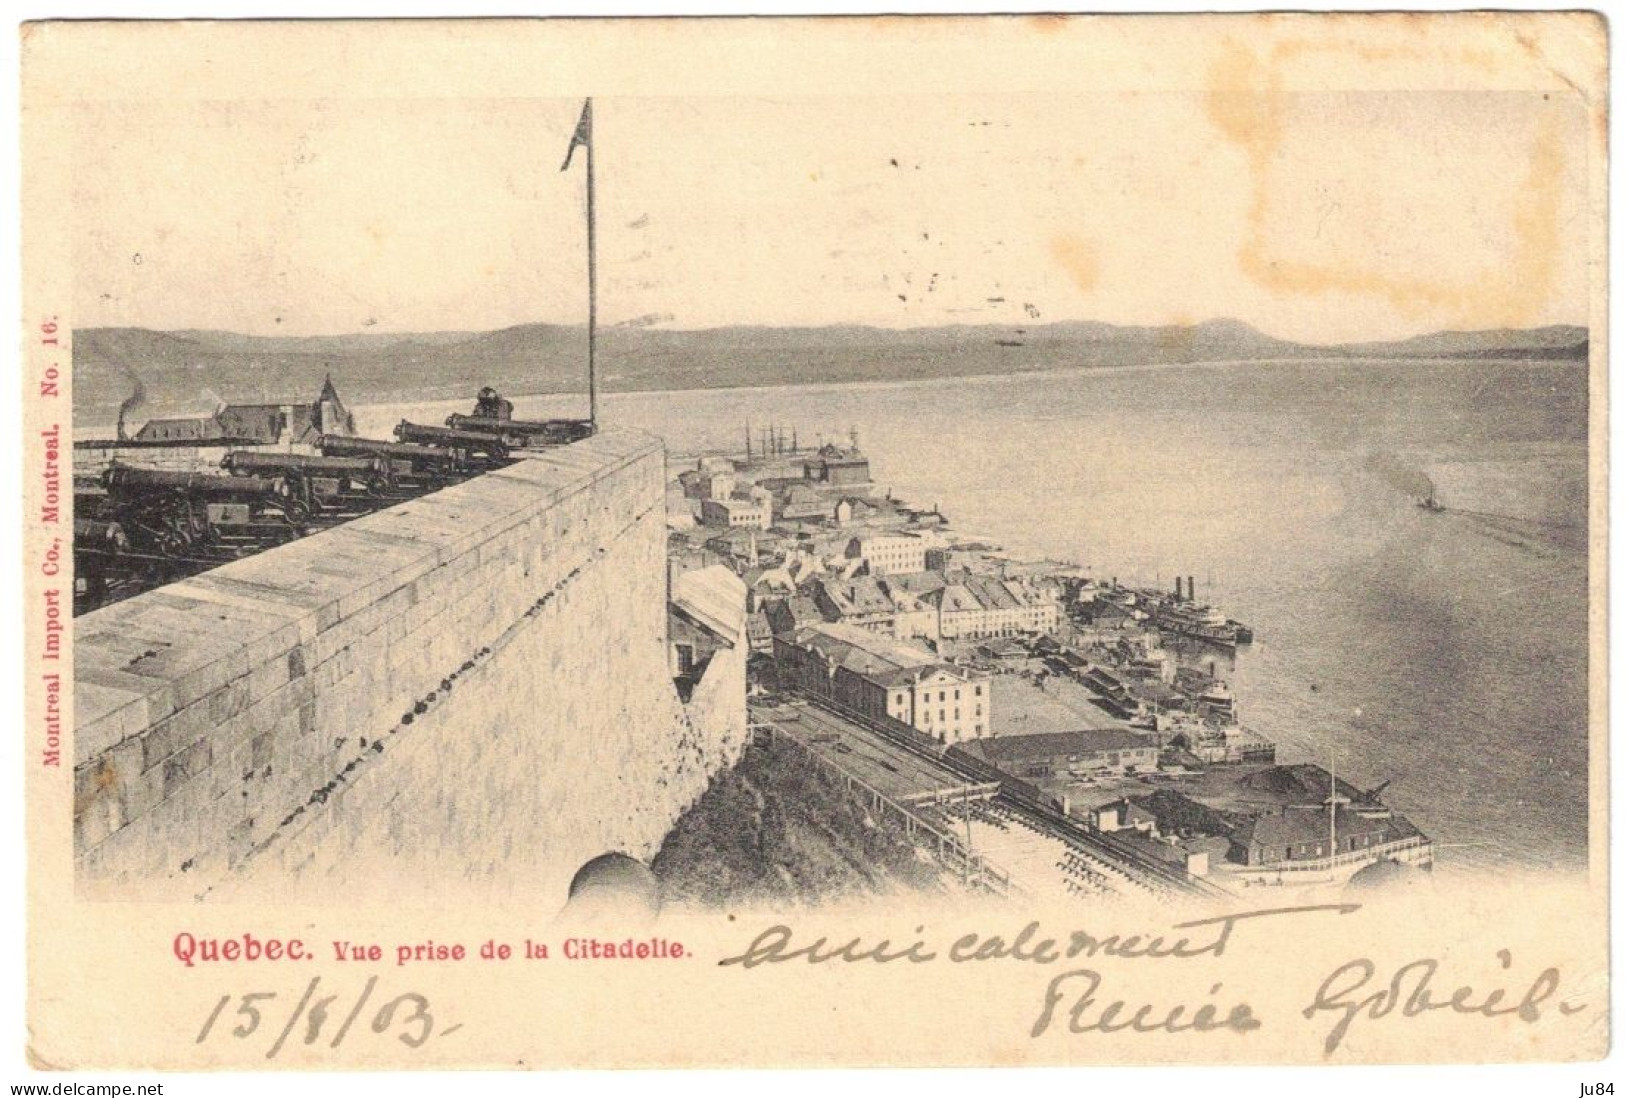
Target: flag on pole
583, 135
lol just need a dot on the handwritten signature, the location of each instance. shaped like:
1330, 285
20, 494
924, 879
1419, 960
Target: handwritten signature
1410, 992
1075, 1001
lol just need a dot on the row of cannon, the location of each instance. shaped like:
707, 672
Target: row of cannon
136, 527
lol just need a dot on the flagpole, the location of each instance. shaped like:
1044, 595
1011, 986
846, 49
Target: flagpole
592, 287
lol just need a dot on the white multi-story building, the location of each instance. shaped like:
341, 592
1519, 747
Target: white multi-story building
981, 606
890, 554
878, 676
734, 511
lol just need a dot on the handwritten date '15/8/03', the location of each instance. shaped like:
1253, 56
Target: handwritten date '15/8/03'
405, 1016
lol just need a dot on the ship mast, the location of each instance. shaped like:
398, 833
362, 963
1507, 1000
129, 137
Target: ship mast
1332, 803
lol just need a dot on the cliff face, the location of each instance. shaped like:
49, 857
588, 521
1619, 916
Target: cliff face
469, 690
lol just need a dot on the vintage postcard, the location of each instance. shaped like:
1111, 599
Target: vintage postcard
815, 542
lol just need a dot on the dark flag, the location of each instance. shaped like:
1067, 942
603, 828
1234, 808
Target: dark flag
583, 135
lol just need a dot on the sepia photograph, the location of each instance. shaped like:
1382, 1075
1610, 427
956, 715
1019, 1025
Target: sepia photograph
1136, 485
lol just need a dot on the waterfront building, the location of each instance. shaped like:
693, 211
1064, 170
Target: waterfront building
786, 615
1277, 826
855, 510
914, 618
1063, 754
923, 583
798, 502
1163, 812
1110, 693
734, 512
889, 554
883, 678
1298, 833
1105, 614
707, 483
763, 582
745, 546
859, 601
984, 606
837, 466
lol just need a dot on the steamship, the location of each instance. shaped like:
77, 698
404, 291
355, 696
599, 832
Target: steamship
1202, 623
1181, 617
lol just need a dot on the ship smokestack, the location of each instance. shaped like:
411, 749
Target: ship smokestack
1179, 588
1190, 588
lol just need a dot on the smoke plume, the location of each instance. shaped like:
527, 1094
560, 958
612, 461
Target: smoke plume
1400, 476
138, 393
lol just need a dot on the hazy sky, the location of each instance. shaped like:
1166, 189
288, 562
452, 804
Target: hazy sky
1315, 216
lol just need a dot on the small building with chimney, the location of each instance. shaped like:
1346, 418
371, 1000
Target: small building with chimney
270, 423
837, 466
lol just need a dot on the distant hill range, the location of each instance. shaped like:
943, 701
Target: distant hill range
187, 372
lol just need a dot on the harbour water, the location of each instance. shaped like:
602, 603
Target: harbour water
1444, 651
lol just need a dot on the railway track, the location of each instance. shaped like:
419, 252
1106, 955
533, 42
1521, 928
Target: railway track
1149, 874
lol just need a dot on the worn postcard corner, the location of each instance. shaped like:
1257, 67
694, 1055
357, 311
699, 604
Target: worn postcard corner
534, 544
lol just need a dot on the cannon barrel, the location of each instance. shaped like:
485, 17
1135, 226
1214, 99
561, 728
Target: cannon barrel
90, 534
120, 478
347, 446
252, 461
544, 430
495, 445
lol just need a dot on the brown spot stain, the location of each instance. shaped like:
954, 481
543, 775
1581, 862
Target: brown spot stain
1050, 23
104, 779
1247, 101
1078, 257
1177, 337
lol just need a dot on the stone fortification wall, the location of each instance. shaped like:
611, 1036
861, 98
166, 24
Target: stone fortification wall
470, 689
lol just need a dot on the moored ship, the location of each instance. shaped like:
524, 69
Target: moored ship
1201, 623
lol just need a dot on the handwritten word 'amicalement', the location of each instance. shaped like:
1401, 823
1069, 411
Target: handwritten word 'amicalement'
1211, 937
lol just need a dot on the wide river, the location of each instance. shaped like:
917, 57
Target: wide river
1446, 652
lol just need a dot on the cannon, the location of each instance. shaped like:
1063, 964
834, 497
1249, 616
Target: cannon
95, 536
89, 497
530, 432
130, 480
166, 512
403, 458
493, 447
328, 477
97, 548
